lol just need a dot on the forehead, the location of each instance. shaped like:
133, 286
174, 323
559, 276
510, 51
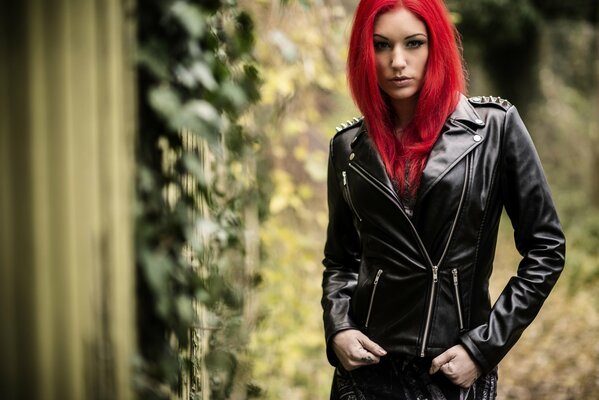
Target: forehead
398, 22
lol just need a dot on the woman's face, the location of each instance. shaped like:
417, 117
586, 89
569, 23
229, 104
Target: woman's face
401, 53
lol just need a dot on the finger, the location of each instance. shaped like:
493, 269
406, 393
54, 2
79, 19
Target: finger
352, 364
439, 361
372, 347
369, 358
364, 357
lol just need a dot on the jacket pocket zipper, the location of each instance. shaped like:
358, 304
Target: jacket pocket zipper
349, 200
374, 286
456, 288
429, 312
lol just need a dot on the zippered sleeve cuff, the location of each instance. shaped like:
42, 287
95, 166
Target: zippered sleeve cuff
476, 354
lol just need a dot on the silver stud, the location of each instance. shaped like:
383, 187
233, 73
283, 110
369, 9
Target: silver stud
351, 156
356, 119
476, 99
338, 129
479, 121
477, 138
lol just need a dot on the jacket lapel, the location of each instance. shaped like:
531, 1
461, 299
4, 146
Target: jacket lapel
365, 154
460, 135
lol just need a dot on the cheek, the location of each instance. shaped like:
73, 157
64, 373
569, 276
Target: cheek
380, 69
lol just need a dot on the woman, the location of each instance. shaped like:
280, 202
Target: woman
415, 194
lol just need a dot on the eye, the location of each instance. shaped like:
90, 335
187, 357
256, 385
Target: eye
381, 45
415, 43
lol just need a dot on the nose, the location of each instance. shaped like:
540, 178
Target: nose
398, 60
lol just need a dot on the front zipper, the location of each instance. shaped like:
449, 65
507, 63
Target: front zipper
374, 286
456, 288
347, 192
435, 269
391, 195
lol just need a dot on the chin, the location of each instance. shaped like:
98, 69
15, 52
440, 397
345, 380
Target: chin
403, 96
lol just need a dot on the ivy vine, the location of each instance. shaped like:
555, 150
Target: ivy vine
195, 74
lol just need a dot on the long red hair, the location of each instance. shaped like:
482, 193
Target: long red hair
444, 80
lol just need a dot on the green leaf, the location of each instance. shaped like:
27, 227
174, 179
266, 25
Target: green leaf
244, 38
220, 360
185, 309
204, 75
204, 111
194, 165
234, 94
145, 179
250, 82
157, 268
165, 100
198, 73
190, 17
154, 57
211, 5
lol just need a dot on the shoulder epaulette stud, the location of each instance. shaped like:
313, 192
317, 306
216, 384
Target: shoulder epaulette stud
347, 124
491, 100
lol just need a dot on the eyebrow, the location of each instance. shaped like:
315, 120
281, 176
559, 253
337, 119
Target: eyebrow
407, 37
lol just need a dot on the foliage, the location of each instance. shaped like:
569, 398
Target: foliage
509, 46
481, 17
195, 73
302, 58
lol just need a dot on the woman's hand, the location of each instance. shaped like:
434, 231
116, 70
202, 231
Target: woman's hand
354, 349
457, 365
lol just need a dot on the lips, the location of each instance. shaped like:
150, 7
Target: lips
401, 81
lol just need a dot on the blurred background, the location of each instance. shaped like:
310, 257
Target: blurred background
163, 195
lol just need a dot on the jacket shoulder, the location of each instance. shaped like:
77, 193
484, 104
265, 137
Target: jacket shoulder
347, 126
490, 101
345, 133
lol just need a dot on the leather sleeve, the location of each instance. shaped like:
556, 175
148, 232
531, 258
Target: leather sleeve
539, 239
341, 262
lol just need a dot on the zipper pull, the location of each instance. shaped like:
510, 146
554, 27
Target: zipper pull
455, 276
344, 178
378, 275
435, 276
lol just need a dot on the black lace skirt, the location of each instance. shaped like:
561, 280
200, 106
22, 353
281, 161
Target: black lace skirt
406, 378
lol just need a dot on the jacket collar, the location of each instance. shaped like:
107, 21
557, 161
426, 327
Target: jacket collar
465, 113
460, 135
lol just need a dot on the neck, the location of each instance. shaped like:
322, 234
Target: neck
404, 112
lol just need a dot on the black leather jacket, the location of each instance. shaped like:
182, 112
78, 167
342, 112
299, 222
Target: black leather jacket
421, 285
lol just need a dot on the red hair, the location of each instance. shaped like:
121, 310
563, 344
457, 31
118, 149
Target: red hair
444, 80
